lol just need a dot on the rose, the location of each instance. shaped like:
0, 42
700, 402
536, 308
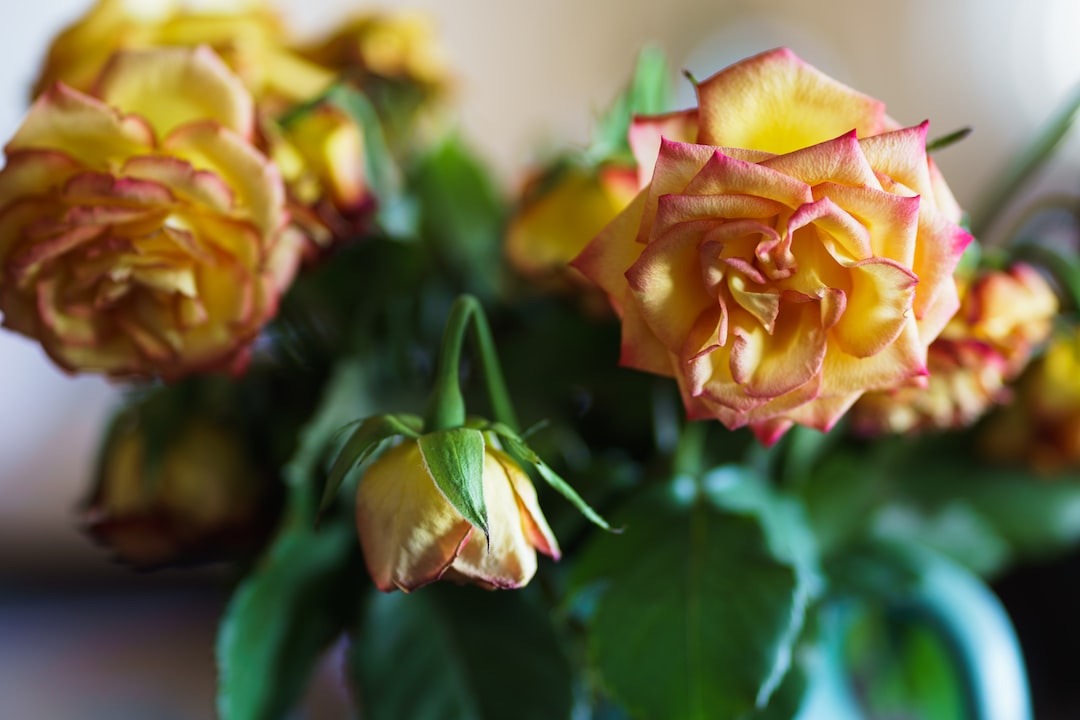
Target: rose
197, 498
246, 33
399, 47
411, 535
141, 234
560, 212
1003, 317
1012, 311
778, 288
1041, 427
320, 153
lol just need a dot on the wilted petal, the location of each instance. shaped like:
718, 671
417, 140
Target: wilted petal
410, 532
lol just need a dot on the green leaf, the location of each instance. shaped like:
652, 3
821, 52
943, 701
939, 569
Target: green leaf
649, 93
280, 620
517, 447
363, 442
462, 653
698, 614
945, 141
455, 461
462, 214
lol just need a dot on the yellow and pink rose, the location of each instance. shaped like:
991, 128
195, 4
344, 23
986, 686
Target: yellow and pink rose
792, 248
141, 233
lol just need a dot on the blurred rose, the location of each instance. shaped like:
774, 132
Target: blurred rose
1003, 317
193, 495
141, 234
778, 288
246, 33
320, 153
411, 534
560, 212
398, 46
1041, 427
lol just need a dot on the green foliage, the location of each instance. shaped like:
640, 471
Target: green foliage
462, 653
516, 445
362, 444
649, 93
701, 603
461, 216
281, 619
300, 595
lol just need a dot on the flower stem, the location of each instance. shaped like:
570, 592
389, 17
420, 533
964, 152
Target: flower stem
689, 460
446, 406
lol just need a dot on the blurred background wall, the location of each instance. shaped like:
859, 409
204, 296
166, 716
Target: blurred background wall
531, 77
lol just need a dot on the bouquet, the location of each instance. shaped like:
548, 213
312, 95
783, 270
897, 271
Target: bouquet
729, 414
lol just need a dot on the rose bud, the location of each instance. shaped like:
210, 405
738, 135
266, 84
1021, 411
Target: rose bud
412, 535
246, 33
141, 234
796, 254
1003, 317
196, 497
560, 212
1041, 427
320, 153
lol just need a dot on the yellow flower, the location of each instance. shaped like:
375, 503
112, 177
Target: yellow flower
793, 257
246, 33
321, 157
198, 500
141, 234
559, 215
411, 535
397, 46
1003, 317
1041, 427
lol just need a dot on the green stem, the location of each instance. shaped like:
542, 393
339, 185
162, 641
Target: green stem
446, 407
689, 452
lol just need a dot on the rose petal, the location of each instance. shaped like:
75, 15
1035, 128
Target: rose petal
409, 531
173, 86
646, 133
67, 121
507, 559
776, 102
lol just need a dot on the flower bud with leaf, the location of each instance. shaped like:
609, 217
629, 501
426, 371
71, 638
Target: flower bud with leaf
451, 499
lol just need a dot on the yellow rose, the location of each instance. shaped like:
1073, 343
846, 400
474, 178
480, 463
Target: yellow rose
246, 33
1003, 317
198, 500
792, 258
411, 535
398, 46
1012, 311
967, 378
559, 215
321, 157
141, 234
1041, 427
